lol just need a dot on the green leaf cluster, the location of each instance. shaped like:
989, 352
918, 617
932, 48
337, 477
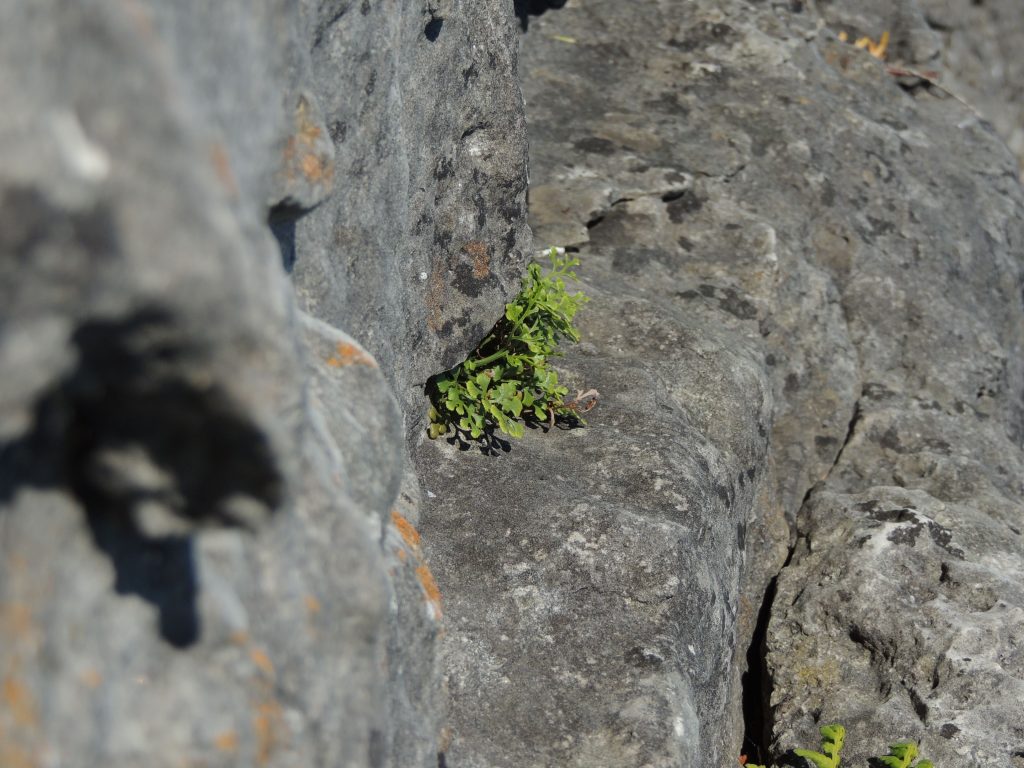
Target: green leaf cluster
507, 378
832, 737
901, 754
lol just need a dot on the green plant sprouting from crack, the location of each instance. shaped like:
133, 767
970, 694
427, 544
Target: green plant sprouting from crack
901, 754
507, 377
832, 737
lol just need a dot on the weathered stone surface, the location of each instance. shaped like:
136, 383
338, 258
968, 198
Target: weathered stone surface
969, 48
901, 617
591, 576
742, 185
207, 543
807, 284
423, 243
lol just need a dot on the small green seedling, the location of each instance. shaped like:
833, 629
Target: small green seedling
832, 737
902, 754
507, 377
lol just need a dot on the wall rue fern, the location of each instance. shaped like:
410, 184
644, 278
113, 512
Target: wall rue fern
507, 378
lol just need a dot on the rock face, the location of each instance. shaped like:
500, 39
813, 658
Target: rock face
806, 277
424, 241
207, 543
235, 240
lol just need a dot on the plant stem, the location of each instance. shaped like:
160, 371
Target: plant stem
474, 364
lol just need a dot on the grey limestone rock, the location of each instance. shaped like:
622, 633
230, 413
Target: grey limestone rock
766, 217
426, 239
208, 552
237, 238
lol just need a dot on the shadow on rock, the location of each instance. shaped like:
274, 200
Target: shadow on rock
524, 9
153, 453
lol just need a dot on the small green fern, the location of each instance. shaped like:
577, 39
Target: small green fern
832, 737
507, 378
902, 754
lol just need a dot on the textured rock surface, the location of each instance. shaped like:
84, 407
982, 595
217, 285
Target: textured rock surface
208, 552
970, 48
235, 240
765, 216
592, 576
419, 249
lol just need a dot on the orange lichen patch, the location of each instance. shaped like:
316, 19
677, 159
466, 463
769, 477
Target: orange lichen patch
303, 151
426, 579
222, 167
312, 605
350, 354
481, 256
400, 553
12, 756
240, 637
309, 131
262, 661
268, 724
91, 678
19, 703
226, 742
313, 168
406, 529
15, 619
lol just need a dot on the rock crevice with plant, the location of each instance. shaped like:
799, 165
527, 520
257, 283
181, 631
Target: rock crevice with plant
508, 379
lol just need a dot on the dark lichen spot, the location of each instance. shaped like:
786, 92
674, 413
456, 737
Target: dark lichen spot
444, 168
890, 440
948, 731
643, 658
703, 35
338, 130
825, 446
875, 512
684, 204
595, 146
632, 261
906, 535
739, 307
467, 282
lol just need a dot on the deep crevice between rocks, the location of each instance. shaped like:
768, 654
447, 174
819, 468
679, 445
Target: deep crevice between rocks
756, 683
282, 219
